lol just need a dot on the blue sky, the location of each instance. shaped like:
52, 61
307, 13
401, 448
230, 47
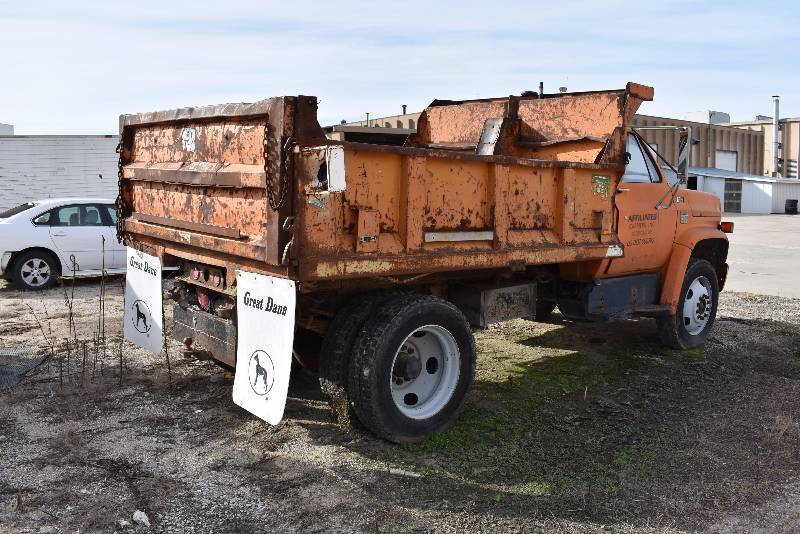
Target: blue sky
72, 67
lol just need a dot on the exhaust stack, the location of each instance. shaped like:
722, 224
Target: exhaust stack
775, 132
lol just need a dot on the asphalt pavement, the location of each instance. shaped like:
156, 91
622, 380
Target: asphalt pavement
764, 255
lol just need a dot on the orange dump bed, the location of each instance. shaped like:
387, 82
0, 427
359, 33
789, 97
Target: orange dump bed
484, 184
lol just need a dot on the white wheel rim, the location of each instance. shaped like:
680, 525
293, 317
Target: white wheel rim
425, 372
697, 305
35, 272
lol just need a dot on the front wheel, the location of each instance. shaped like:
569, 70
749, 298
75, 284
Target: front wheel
412, 367
697, 308
34, 270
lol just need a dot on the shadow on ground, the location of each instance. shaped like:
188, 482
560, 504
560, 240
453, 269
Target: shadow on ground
600, 423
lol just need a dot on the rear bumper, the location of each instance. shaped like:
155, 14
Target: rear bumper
214, 334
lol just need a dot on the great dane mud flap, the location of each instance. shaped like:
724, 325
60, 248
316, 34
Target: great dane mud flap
265, 314
143, 304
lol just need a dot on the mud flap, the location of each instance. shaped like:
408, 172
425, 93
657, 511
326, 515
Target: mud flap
142, 321
265, 322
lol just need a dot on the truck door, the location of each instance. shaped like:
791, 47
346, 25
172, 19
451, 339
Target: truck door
646, 232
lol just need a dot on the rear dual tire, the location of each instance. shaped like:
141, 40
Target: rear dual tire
409, 366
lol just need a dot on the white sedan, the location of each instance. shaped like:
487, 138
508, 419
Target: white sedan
42, 240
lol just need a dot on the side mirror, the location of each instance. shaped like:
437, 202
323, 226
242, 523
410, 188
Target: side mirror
684, 154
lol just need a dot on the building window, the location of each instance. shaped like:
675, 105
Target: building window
399, 124
387, 125
791, 169
733, 195
727, 160
411, 123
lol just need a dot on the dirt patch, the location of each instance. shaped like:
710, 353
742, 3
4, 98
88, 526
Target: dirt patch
570, 427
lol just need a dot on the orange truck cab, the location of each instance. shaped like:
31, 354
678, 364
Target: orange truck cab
669, 234
371, 263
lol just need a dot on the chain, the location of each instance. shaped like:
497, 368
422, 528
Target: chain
120, 202
277, 185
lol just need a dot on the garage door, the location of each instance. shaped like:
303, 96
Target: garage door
727, 159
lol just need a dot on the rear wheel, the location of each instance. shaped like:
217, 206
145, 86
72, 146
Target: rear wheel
412, 367
697, 308
337, 348
34, 270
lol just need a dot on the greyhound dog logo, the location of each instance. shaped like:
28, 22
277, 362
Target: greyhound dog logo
261, 372
141, 318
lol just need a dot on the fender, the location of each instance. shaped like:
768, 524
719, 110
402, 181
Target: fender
679, 259
673, 277
693, 235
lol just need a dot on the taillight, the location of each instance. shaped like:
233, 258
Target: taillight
726, 227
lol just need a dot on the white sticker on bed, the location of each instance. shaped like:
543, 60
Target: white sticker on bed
143, 302
265, 323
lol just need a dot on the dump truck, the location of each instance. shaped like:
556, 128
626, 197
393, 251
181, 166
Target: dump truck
494, 209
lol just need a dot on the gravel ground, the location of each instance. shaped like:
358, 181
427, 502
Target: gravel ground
570, 427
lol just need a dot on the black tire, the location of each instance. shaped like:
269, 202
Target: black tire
673, 329
340, 338
371, 368
337, 349
25, 262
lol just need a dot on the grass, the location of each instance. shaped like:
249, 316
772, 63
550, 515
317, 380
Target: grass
545, 415
518, 379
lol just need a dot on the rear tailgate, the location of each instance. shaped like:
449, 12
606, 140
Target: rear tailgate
193, 180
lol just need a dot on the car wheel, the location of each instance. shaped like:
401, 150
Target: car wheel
34, 270
697, 308
412, 368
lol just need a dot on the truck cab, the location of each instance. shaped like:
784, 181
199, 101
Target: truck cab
675, 247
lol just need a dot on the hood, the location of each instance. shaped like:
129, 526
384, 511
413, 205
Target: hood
702, 204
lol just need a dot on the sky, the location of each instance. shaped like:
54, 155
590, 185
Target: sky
72, 67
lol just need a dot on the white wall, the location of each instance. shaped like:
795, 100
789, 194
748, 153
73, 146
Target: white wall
37, 167
713, 185
781, 191
756, 197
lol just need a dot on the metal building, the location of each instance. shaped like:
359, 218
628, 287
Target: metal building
788, 144
50, 166
745, 193
719, 147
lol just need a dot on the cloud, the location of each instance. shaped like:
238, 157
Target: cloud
74, 67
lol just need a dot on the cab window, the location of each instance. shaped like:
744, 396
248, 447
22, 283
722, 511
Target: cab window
640, 168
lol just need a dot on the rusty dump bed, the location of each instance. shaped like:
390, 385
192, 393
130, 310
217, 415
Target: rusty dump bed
484, 184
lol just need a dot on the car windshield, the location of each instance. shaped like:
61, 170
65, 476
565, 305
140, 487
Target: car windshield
18, 209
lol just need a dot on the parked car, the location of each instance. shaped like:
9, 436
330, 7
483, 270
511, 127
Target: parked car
39, 241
